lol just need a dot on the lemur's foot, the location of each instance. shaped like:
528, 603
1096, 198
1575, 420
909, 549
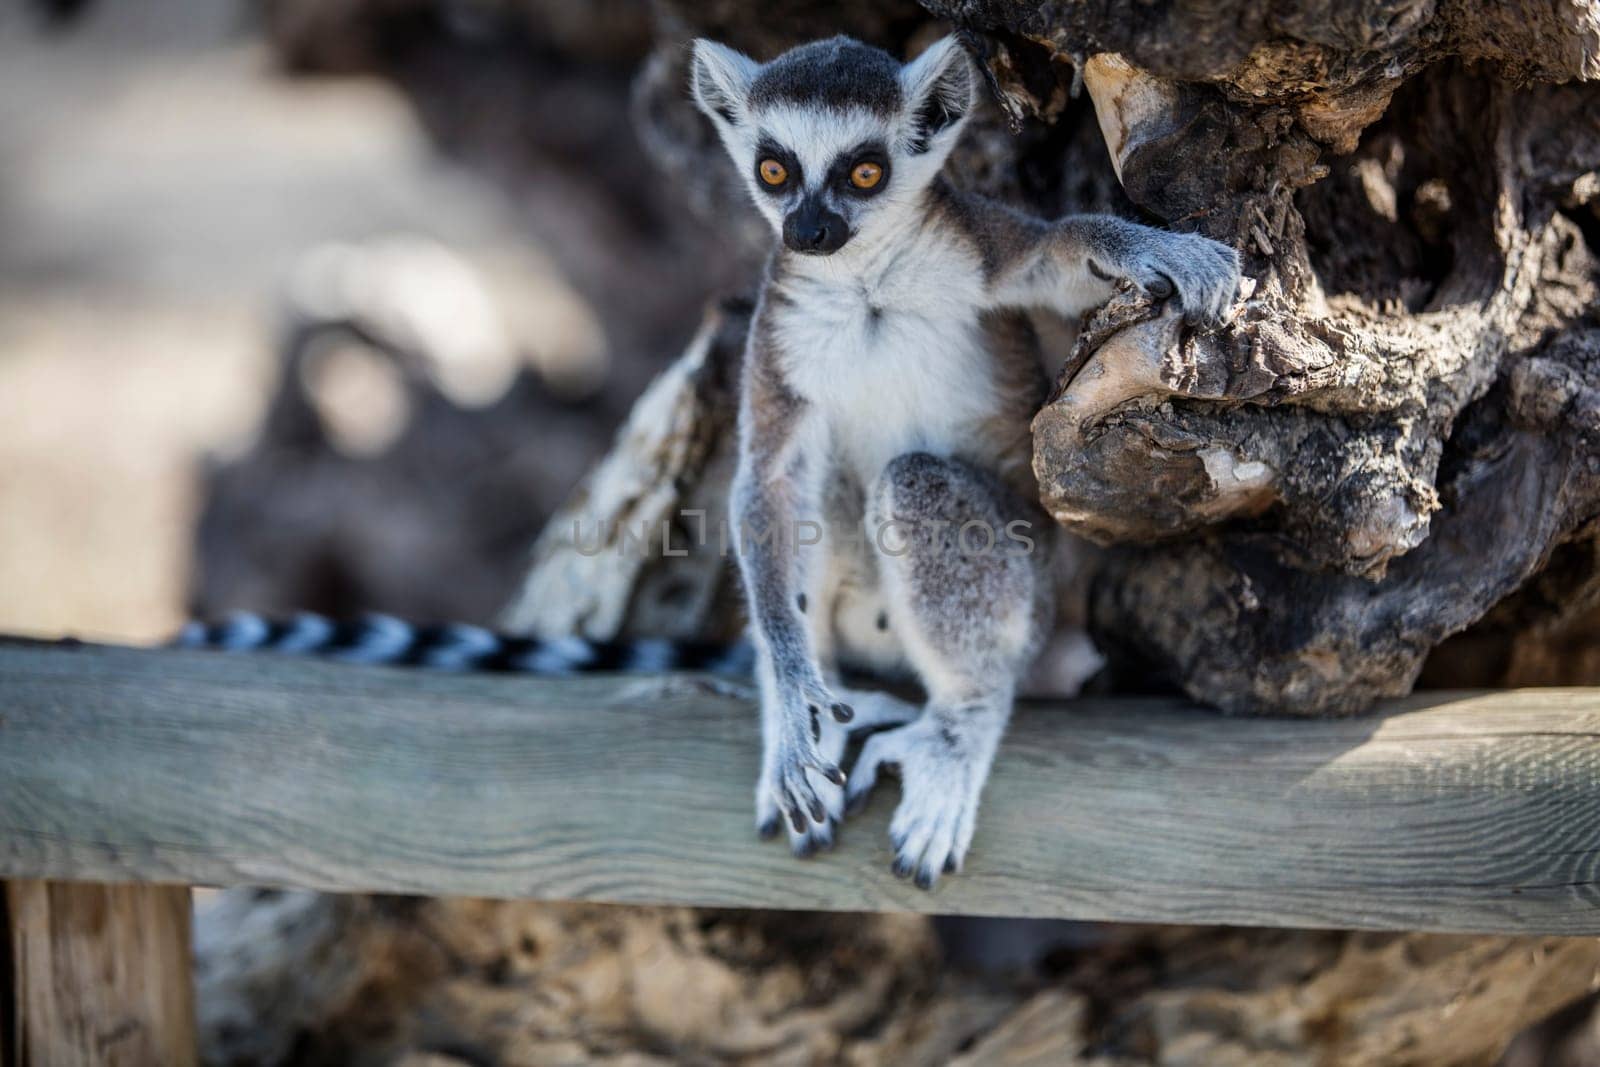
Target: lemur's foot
872, 709
1202, 273
942, 771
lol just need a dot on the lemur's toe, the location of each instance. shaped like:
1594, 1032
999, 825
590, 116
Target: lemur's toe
768, 827
819, 838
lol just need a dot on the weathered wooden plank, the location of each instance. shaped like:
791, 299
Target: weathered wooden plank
101, 975
1444, 812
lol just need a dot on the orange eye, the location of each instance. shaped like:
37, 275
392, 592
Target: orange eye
773, 172
866, 175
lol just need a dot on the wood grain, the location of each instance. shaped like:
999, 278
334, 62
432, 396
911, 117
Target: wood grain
1468, 812
101, 975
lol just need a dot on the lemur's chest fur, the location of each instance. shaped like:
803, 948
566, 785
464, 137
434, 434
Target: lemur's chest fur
891, 353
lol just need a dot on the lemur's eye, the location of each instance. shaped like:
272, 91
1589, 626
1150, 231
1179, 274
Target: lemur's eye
773, 172
866, 175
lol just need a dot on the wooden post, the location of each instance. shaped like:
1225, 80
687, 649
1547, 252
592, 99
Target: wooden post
99, 976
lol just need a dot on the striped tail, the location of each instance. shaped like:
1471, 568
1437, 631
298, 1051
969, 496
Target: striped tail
383, 639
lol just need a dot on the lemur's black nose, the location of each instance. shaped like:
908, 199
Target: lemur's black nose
813, 229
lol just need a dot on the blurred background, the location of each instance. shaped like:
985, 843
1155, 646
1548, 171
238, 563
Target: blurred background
277, 331
329, 304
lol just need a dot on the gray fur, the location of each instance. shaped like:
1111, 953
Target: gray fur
892, 380
838, 73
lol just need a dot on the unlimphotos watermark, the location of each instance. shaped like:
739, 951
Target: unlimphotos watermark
892, 537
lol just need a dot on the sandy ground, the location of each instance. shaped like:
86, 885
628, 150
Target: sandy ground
157, 182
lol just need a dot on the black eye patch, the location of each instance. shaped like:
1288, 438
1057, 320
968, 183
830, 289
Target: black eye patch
845, 163
767, 149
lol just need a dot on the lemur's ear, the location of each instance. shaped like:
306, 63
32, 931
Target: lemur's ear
721, 77
939, 88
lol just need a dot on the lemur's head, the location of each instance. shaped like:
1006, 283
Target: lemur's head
834, 136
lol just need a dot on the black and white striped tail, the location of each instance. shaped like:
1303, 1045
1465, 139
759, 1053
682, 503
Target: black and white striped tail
383, 639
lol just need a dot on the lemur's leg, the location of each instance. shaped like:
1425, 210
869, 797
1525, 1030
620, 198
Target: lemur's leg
781, 453
873, 709
815, 581
818, 567
971, 604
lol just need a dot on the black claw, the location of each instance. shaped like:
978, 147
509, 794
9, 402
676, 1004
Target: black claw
818, 812
834, 775
1161, 287
950, 865
843, 712
768, 829
797, 820
925, 879
901, 868
805, 847
816, 726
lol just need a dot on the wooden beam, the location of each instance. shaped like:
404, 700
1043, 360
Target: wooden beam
1471, 812
100, 974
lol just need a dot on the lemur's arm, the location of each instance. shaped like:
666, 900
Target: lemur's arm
1070, 264
777, 439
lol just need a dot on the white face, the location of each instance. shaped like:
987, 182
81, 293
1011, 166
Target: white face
825, 174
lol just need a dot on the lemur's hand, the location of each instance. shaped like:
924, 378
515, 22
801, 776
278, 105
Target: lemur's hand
873, 710
1203, 273
796, 773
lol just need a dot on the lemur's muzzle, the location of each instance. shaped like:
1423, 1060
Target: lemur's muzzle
814, 230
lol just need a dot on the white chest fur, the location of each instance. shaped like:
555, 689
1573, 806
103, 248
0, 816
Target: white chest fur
890, 352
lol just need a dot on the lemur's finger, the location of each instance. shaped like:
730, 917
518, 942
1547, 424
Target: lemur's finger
864, 775
828, 770
819, 838
965, 825
802, 797
912, 831
941, 846
793, 798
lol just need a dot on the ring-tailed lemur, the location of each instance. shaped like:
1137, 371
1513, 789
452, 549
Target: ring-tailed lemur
888, 385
